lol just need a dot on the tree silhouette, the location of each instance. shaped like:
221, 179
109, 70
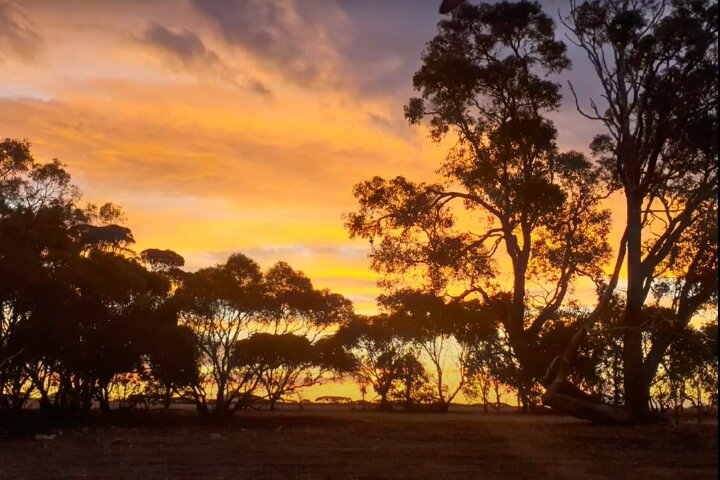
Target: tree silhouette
294, 305
172, 362
76, 306
288, 362
491, 365
219, 304
379, 350
657, 65
162, 260
412, 382
482, 81
431, 324
449, 5
257, 329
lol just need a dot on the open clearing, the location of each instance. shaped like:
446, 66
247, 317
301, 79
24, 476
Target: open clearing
344, 444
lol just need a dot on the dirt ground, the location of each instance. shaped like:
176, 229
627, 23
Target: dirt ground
344, 444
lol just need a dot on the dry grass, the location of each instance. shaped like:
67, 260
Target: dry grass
333, 443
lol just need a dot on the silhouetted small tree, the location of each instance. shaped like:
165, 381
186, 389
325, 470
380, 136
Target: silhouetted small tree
289, 362
379, 351
161, 260
431, 324
219, 305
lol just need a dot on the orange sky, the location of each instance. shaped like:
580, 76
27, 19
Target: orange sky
220, 131
237, 125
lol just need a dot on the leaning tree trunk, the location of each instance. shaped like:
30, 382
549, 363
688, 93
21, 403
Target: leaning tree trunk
564, 397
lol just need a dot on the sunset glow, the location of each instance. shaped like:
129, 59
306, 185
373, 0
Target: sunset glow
213, 142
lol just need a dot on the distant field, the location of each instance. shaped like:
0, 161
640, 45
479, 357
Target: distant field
337, 443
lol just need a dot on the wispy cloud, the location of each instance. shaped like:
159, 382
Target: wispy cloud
289, 36
371, 46
19, 37
184, 49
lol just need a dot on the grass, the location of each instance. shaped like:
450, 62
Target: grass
341, 443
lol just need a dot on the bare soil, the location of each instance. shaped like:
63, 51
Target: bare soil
339, 443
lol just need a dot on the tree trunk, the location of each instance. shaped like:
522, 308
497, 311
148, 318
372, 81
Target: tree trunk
596, 412
637, 388
167, 398
384, 404
220, 406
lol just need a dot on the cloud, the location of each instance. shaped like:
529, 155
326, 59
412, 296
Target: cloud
185, 49
373, 46
345, 252
18, 35
216, 143
290, 36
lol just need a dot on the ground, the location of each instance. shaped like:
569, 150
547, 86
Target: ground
341, 443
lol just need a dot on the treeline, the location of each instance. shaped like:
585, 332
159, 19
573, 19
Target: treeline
519, 226
478, 268
86, 321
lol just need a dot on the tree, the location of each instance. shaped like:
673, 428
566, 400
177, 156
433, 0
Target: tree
109, 308
162, 260
431, 324
657, 65
446, 6
294, 306
411, 386
289, 362
688, 372
491, 364
37, 212
76, 305
172, 362
483, 81
219, 305
379, 351
257, 329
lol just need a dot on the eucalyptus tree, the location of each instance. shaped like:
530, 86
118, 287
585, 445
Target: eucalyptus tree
432, 324
75, 305
290, 362
379, 350
412, 385
257, 329
295, 306
220, 305
656, 62
506, 196
38, 215
159, 260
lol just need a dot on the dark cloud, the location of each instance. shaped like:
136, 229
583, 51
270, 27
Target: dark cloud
387, 41
373, 45
184, 44
186, 49
293, 36
18, 36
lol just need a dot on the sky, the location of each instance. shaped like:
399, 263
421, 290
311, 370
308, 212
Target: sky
226, 126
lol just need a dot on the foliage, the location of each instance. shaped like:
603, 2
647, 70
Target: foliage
484, 81
656, 62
